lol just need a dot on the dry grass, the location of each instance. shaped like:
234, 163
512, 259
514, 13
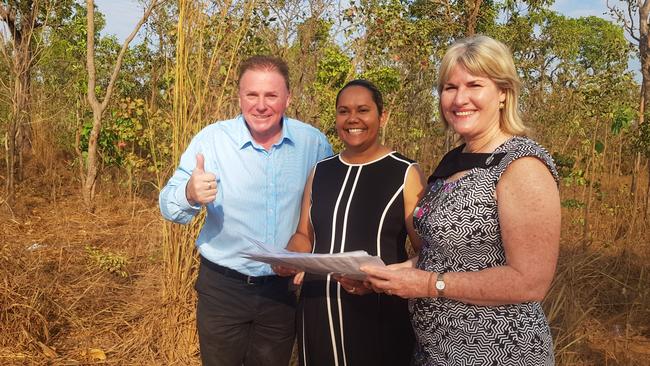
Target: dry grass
57, 302
599, 306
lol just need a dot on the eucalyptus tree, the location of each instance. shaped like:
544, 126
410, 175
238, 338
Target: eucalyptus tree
634, 15
99, 107
24, 19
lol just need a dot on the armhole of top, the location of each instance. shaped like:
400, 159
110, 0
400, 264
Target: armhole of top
535, 152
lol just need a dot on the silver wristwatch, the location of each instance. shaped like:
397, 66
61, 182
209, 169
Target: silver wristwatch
440, 284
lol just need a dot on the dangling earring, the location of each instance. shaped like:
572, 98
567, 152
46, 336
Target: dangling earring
502, 105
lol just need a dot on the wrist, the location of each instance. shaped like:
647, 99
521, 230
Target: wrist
430, 284
188, 196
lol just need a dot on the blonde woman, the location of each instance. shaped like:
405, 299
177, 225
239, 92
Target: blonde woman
489, 222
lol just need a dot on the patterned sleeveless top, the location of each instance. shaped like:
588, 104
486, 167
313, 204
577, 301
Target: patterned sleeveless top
460, 228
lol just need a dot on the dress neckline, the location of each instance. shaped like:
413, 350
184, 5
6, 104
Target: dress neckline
457, 161
366, 163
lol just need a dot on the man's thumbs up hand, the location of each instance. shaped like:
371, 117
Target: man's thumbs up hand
202, 186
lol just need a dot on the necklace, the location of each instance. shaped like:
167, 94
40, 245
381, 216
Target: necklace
498, 136
490, 158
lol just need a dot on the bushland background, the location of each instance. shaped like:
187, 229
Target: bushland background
92, 127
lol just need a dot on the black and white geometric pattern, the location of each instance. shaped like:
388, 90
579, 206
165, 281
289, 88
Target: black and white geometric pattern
460, 228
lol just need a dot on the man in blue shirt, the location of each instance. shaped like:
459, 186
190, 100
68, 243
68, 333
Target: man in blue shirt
249, 173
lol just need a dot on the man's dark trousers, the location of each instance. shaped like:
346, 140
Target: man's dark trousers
244, 321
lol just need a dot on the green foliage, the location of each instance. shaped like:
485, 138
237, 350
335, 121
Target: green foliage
61, 73
622, 119
126, 137
333, 68
575, 178
107, 144
564, 164
255, 43
332, 74
113, 263
641, 141
387, 79
573, 204
599, 146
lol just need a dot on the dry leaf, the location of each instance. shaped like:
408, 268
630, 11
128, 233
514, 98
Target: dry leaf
47, 351
643, 349
96, 354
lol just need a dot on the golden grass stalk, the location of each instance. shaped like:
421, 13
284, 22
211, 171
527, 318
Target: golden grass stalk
198, 99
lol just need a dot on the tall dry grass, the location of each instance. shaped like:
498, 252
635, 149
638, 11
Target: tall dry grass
599, 305
206, 60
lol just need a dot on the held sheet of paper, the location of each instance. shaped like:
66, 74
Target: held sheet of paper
347, 263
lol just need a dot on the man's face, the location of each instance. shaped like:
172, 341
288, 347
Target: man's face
263, 98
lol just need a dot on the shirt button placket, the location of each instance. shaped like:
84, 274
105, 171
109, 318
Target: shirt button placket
270, 199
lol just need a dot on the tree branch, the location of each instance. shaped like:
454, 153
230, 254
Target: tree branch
120, 56
630, 14
90, 52
473, 17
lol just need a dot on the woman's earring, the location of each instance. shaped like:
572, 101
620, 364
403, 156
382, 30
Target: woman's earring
502, 105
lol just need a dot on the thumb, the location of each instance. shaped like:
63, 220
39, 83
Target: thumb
371, 270
200, 163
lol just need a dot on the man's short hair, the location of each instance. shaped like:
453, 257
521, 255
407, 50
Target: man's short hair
265, 63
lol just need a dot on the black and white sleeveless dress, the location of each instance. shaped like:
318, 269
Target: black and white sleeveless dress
356, 207
460, 230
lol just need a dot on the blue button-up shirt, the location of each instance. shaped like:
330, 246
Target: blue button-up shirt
258, 191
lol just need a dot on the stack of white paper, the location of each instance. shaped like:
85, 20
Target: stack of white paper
347, 263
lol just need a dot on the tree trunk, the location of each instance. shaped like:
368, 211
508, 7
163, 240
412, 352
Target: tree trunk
11, 162
88, 189
20, 120
636, 170
644, 55
21, 26
23, 101
646, 211
587, 196
472, 19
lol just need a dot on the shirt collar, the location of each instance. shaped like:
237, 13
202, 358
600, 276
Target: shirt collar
245, 138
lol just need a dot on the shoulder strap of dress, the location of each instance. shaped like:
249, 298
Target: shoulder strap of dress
521, 147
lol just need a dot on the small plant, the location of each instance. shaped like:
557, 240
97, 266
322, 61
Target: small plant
564, 164
111, 262
573, 204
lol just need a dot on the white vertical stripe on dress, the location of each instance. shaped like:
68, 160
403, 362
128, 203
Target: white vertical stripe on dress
331, 321
304, 348
345, 229
327, 282
383, 216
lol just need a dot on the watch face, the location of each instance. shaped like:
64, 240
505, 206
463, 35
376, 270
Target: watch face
440, 285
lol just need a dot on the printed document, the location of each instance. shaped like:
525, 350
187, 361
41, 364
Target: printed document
347, 263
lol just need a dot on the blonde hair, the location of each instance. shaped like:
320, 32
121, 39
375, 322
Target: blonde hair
484, 56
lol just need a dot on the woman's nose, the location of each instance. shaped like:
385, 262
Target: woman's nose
461, 96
